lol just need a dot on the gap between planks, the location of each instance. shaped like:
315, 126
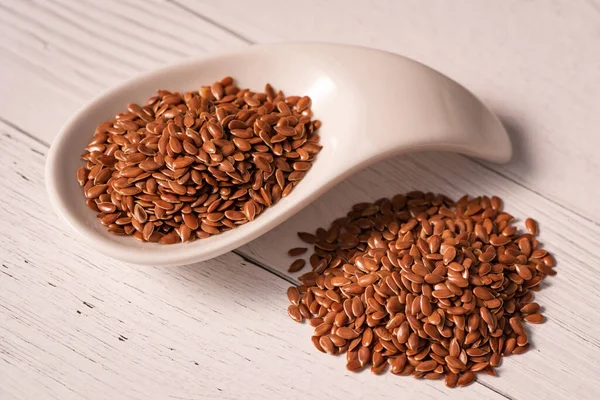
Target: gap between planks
211, 21
247, 258
483, 164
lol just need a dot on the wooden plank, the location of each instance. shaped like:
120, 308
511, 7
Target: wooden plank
535, 64
74, 324
64, 53
525, 83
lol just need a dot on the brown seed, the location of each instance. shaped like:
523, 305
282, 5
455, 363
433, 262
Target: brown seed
426, 366
522, 340
307, 237
354, 366
367, 337
95, 191
523, 271
140, 214
333, 296
163, 168
413, 277
516, 325
304, 311
296, 251
293, 295
367, 280
534, 318
486, 315
346, 333
454, 348
82, 175
297, 265
521, 349
482, 293
530, 308
531, 226
454, 362
170, 238
250, 210
475, 352
548, 261
449, 255
285, 130
466, 379
324, 328
496, 203
357, 307
499, 240
149, 165
148, 230
303, 103
364, 355
479, 366
109, 219
294, 313
435, 374
451, 380
442, 294
413, 341
107, 207
338, 341
191, 221
495, 360
315, 341
327, 344
262, 163
130, 191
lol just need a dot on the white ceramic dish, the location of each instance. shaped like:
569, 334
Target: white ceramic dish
372, 104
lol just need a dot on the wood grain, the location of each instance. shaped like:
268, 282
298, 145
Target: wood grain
535, 64
75, 326
66, 53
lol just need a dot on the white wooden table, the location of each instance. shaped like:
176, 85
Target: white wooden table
74, 325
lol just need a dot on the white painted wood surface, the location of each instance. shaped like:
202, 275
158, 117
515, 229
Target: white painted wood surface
74, 325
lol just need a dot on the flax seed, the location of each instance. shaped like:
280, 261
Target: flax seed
179, 159
426, 285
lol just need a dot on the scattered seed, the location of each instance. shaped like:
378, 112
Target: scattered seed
297, 265
530, 308
293, 295
534, 318
307, 237
296, 251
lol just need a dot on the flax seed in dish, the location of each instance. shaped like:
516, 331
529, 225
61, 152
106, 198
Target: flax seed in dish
188, 166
